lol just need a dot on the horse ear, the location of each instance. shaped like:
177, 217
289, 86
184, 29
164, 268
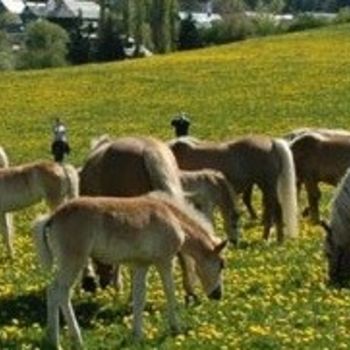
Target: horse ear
220, 246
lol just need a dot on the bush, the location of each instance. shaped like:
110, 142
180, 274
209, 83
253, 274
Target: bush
343, 15
266, 24
189, 35
232, 28
45, 46
307, 21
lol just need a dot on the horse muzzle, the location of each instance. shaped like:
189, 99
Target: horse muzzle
216, 294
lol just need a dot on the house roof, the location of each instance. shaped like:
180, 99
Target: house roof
73, 8
13, 6
201, 19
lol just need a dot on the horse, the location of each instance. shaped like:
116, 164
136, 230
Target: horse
24, 185
322, 131
337, 240
132, 166
143, 231
209, 189
320, 157
246, 161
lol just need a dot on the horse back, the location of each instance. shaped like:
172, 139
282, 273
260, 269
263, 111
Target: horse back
115, 230
323, 159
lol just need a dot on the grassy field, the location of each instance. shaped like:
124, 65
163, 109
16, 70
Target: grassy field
275, 296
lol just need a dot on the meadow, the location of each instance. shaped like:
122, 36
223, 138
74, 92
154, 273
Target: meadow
276, 297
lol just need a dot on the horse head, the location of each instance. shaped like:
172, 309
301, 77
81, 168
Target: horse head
210, 272
338, 259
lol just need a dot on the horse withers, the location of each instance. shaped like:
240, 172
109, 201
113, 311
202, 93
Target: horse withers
143, 231
246, 161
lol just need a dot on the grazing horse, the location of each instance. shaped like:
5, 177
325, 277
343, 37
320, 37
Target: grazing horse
320, 157
208, 189
322, 131
143, 231
128, 167
259, 160
337, 241
25, 185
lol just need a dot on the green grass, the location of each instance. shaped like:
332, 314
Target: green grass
276, 297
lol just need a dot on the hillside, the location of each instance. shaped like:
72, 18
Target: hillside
265, 85
276, 297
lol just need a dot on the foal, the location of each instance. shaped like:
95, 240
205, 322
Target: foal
25, 185
208, 189
144, 231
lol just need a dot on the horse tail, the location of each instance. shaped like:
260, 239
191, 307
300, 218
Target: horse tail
4, 161
163, 171
41, 229
71, 187
286, 188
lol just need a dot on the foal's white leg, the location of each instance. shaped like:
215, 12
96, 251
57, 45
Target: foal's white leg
165, 271
69, 315
59, 296
53, 322
138, 296
7, 229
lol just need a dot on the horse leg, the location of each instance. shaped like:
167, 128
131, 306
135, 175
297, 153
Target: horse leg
65, 279
165, 271
268, 212
247, 200
7, 229
138, 296
118, 278
314, 196
278, 219
53, 322
188, 277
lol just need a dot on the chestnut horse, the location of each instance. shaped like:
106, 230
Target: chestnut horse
128, 167
246, 161
144, 231
28, 184
337, 241
320, 157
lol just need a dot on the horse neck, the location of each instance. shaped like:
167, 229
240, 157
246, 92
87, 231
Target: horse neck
197, 245
226, 201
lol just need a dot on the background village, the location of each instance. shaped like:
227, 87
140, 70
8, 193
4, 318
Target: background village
39, 34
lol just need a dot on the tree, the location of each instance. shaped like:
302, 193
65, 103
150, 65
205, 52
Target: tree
45, 46
6, 56
189, 37
160, 25
110, 46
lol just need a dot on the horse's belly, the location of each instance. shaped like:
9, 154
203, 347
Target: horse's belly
17, 201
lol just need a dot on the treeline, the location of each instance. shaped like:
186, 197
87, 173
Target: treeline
132, 28
283, 6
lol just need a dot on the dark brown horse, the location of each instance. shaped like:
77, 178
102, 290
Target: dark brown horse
259, 160
320, 157
337, 242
